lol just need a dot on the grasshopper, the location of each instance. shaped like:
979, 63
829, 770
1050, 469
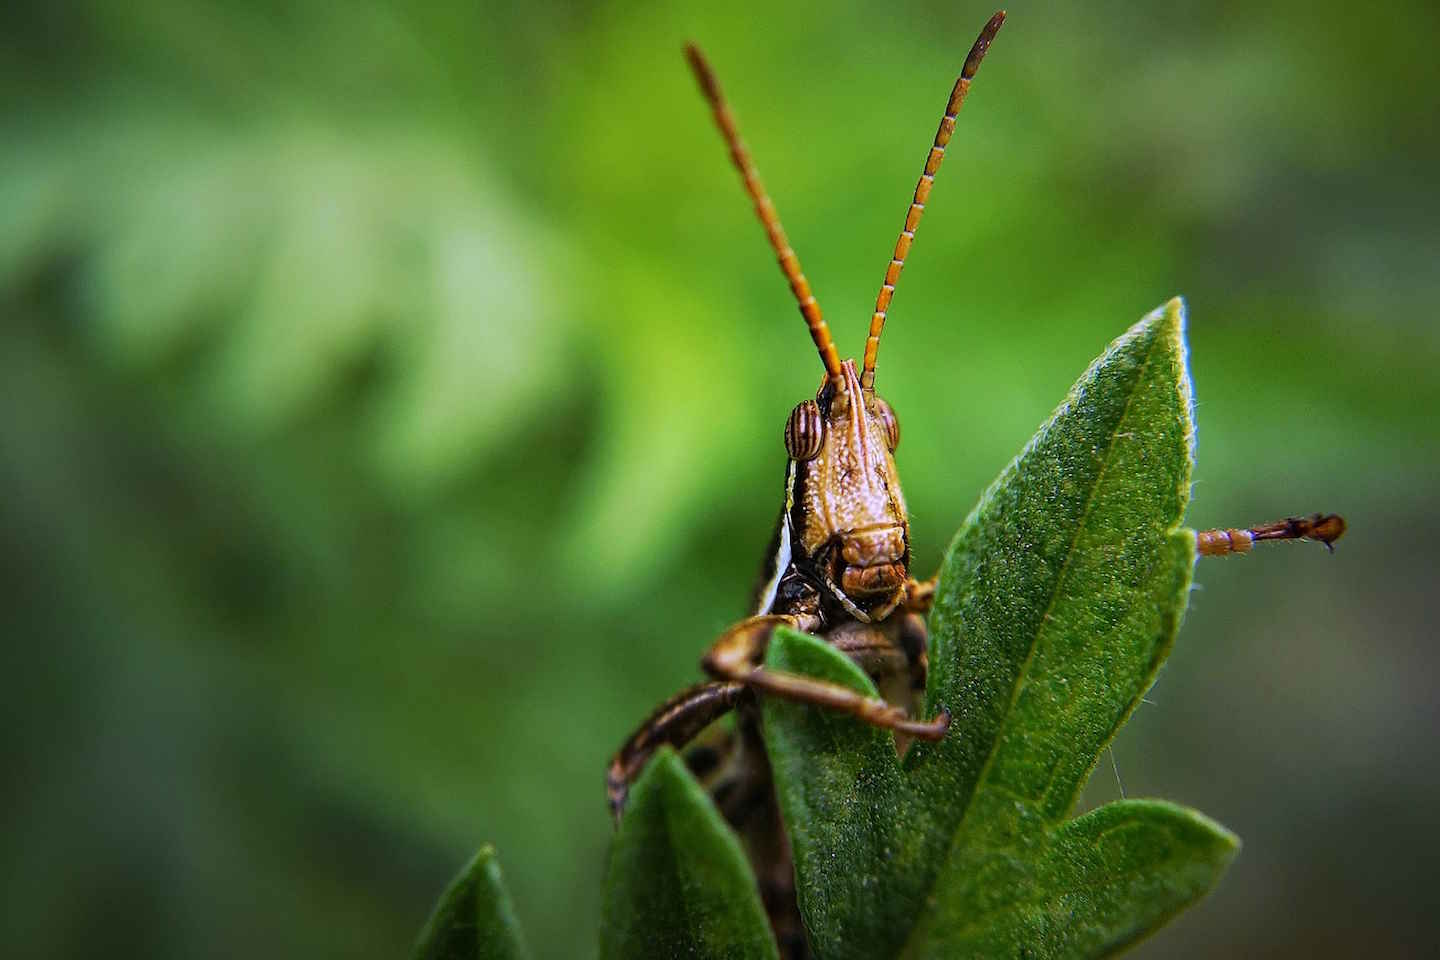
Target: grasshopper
838, 566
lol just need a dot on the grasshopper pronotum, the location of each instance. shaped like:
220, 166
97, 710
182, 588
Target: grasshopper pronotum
839, 563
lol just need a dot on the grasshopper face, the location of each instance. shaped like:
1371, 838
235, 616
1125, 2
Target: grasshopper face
849, 531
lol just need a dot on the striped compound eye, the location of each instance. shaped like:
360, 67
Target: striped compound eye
887, 419
804, 431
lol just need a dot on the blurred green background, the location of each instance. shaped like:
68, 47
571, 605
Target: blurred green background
393, 398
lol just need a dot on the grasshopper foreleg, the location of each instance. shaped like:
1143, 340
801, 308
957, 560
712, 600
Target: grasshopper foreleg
920, 595
737, 654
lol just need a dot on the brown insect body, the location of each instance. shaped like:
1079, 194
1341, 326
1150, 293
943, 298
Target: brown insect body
838, 565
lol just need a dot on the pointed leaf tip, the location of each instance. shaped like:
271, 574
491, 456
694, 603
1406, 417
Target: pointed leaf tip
474, 919
678, 883
1096, 885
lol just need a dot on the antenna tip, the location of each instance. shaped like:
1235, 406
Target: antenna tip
701, 66
982, 44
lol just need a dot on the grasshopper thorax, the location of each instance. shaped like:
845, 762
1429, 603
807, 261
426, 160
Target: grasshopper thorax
846, 525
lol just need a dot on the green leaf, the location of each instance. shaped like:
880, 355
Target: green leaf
844, 801
1058, 601
1098, 884
678, 884
474, 919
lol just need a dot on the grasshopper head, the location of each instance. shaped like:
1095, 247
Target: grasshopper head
845, 523
850, 532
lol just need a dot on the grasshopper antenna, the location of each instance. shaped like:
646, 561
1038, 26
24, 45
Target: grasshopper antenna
765, 210
1324, 528
922, 194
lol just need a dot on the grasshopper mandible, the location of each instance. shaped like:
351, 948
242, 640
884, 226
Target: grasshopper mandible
839, 562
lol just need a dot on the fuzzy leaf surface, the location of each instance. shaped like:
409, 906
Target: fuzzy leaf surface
678, 884
1058, 601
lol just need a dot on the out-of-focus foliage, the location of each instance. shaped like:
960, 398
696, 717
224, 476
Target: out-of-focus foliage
387, 386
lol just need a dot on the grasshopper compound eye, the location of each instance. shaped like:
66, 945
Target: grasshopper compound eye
804, 431
886, 415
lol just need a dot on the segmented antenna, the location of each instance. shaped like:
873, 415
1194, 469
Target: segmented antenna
922, 194
765, 210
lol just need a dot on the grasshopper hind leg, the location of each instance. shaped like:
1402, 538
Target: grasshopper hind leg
675, 722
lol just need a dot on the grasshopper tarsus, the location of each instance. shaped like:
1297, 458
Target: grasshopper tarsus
932, 730
1324, 528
